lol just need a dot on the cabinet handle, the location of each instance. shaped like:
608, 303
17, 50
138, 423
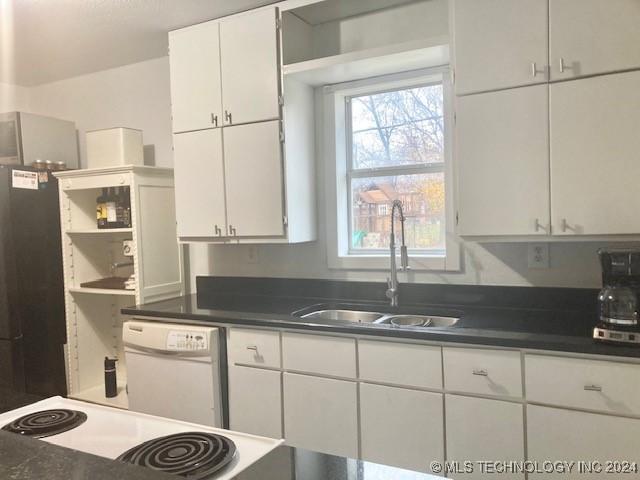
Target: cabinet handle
218, 230
252, 347
227, 116
537, 226
480, 372
562, 66
214, 119
564, 226
232, 231
534, 69
593, 388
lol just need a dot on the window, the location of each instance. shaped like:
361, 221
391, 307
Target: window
389, 139
395, 142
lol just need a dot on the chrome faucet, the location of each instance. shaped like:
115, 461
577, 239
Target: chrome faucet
392, 282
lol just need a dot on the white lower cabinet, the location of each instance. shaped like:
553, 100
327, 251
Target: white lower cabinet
255, 401
412, 420
480, 429
321, 414
564, 435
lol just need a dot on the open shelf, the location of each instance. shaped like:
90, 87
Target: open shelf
388, 59
99, 231
96, 395
102, 291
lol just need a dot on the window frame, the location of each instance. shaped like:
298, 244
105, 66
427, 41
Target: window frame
335, 150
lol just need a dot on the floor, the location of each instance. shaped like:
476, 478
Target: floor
10, 399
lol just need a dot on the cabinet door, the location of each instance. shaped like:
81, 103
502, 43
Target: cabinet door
499, 43
484, 429
250, 67
255, 401
594, 155
321, 414
199, 183
502, 155
253, 173
567, 435
413, 419
196, 92
593, 36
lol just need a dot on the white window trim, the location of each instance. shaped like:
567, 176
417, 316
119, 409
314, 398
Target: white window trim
333, 152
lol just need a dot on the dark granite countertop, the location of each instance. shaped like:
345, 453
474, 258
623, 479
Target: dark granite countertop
23, 458
563, 328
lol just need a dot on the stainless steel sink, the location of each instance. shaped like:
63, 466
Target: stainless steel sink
344, 315
380, 318
418, 321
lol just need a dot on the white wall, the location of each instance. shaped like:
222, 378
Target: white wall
13, 98
135, 96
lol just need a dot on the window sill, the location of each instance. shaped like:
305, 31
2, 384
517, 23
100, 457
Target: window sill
381, 262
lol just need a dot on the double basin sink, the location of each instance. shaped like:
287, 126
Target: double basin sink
361, 314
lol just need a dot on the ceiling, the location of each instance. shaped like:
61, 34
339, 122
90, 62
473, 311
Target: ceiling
43, 41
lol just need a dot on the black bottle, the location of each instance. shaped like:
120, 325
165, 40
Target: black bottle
110, 380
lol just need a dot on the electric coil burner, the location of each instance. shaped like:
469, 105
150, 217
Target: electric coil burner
46, 423
196, 455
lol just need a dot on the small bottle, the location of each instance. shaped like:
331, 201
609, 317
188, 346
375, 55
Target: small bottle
120, 207
110, 380
127, 207
101, 209
112, 215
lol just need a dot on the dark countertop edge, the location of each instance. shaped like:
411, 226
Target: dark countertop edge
463, 335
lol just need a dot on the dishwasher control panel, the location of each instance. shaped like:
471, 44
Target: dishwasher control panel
185, 340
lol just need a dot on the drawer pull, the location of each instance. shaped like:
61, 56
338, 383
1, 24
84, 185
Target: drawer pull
480, 373
252, 347
593, 388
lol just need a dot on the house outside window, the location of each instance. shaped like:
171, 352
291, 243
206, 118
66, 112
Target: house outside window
390, 139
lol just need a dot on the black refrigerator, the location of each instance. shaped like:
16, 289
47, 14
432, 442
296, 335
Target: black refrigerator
32, 320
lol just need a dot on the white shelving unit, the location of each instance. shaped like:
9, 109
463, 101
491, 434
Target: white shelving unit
94, 321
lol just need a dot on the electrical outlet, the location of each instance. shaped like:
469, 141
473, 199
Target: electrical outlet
538, 255
252, 254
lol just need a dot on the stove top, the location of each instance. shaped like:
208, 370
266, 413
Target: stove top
121, 434
46, 423
196, 455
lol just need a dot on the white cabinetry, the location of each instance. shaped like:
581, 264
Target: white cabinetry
588, 37
554, 433
594, 155
196, 91
250, 67
254, 188
411, 420
499, 44
94, 321
502, 151
255, 399
321, 414
200, 194
484, 429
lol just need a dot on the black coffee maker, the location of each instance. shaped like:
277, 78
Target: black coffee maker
619, 299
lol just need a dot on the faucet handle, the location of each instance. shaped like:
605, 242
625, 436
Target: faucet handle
388, 282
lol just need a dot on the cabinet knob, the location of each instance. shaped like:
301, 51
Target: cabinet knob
480, 372
593, 388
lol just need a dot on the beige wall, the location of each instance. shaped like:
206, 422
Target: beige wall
13, 98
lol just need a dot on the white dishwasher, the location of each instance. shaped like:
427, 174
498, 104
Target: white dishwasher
174, 371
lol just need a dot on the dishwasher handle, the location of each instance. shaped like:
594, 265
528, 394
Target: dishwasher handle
133, 348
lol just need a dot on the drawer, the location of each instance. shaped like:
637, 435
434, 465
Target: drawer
400, 363
485, 372
259, 348
334, 356
590, 384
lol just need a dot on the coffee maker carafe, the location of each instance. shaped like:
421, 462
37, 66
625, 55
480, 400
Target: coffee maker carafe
619, 299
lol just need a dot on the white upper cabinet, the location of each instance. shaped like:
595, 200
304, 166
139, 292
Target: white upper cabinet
199, 183
502, 150
254, 180
587, 37
594, 155
250, 67
196, 94
499, 43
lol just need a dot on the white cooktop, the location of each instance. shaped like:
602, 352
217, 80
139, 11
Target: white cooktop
109, 432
